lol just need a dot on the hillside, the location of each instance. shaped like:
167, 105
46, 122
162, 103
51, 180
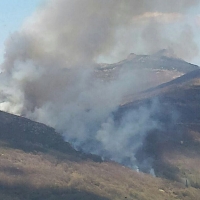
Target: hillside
175, 148
37, 164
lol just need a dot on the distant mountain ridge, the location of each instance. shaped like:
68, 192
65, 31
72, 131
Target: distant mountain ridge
161, 60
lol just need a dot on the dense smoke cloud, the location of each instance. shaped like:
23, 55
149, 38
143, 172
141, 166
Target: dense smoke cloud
49, 71
77, 32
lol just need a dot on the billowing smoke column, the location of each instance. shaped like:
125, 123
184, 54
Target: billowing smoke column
49, 71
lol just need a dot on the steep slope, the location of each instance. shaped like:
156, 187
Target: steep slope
24, 134
174, 148
35, 163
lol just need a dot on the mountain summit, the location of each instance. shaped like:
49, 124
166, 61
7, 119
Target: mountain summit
164, 59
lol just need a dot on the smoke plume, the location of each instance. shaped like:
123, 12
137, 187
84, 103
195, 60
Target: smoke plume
50, 71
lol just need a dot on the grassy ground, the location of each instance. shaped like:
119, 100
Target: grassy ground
36, 164
41, 176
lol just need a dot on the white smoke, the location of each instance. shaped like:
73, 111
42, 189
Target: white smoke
50, 73
122, 139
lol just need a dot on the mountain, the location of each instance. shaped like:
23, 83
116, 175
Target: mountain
37, 164
175, 147
161, 60
155, 69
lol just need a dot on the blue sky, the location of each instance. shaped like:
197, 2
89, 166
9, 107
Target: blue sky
12, 15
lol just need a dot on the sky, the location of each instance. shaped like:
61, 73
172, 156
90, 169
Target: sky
13, 14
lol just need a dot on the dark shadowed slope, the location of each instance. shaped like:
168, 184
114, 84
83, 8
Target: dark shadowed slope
24, 134
187, 79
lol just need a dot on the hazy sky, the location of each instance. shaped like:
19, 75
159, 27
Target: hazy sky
12, 15
14, 12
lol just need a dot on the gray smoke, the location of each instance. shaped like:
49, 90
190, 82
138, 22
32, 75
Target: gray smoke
50, 75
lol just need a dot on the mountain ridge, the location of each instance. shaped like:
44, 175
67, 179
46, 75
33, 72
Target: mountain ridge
35, 173
159, 60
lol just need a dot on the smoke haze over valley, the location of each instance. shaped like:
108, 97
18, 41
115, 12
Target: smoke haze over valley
52, 72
